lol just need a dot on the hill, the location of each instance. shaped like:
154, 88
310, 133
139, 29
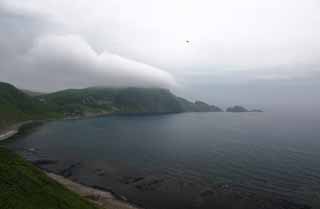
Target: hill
96, 100
31, 93
17, 106
24, 186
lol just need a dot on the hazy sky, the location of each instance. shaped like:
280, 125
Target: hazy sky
251, 52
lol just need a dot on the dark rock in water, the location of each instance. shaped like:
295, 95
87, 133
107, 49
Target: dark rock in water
100, 172
44, 162
236, 108
206, 193
149, 185
67, 172
131, 180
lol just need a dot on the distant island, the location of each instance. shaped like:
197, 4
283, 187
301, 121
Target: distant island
238, 108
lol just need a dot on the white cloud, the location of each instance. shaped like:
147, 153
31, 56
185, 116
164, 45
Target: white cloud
58, 62
232, 42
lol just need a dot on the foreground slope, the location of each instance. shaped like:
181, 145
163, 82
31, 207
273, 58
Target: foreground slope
23, 186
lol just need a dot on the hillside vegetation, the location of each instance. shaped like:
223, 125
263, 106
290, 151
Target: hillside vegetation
122, 100
24, 186
16, 106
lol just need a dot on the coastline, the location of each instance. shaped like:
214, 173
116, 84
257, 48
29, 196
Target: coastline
107, 199
14, 129
104, 199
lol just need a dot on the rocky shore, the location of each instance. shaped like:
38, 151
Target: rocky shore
103, 199
8, 132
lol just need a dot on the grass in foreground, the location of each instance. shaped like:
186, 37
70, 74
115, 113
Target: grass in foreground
23, 186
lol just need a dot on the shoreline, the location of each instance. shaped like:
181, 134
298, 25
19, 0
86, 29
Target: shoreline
14, 129
102, 198
105, 198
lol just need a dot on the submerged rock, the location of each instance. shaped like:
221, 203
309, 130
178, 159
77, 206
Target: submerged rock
131, 180
150, 185
67, 172
44, 162
100, 172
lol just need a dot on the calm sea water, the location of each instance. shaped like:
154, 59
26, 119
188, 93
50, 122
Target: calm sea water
183, 160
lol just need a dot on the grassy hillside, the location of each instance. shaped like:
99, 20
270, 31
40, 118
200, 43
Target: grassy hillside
31, 93
23, 186
122, 100
145, 100
80, 101
197, 106
16, 106
128, 100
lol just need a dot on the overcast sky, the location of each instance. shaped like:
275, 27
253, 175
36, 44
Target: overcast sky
251, 52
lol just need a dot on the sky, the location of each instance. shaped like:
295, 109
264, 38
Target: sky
259, 53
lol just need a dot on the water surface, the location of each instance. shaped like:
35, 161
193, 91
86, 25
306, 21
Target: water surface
190, 160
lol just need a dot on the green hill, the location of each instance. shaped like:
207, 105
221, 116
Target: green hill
16, 106
31, 93
77, 102
23, 186
122, 100
147, 100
